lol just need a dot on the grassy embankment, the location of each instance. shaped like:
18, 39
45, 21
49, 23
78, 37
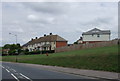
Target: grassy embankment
0, 53
104, 58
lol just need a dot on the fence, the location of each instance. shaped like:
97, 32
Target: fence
85, 46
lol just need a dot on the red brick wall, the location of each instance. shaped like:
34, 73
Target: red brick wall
92, 41
86, 46
60, 44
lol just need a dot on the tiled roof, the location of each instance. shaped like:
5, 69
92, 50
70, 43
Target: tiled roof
48, 38
96, 31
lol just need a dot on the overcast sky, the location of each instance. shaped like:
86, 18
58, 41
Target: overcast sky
67, 19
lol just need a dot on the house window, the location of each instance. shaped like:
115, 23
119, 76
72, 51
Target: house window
47, 42
95, 31
92, 34
30, 49
43, 43
98, 35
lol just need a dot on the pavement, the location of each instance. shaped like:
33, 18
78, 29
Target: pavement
34, 71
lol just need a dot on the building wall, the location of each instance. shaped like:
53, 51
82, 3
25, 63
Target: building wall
60, 44
95, 38
91, 42
30, 47
53, 45
86, 46
24, 48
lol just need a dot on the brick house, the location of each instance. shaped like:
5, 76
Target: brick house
5, 51
45, 43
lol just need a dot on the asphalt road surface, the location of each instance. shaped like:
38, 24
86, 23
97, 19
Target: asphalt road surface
19, 72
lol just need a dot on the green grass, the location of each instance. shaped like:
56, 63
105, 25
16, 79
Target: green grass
104, 58
0, 53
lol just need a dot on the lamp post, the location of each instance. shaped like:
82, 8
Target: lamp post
16, 44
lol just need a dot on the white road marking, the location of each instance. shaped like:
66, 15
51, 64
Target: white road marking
13, 70
2, 67
15, 77
15, 73
25, 76
7, 70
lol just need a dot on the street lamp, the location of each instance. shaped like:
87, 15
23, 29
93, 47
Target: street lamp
16, 44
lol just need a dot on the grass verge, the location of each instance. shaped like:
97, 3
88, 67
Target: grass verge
103, 58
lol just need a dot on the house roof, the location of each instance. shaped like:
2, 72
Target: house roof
96, 31
48, 38
30, 42
5, 49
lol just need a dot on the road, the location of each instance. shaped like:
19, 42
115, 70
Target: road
20, 72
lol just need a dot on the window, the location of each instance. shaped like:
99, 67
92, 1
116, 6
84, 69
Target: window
92, 34
47, 42
98, 35
95, 31
43, 43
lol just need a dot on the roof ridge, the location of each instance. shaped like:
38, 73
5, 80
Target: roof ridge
97, 31
48, 38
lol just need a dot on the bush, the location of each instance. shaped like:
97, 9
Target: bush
35, 52
12, 52
26, 52
46, 51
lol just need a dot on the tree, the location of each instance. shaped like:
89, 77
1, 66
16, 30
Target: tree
26, 52
75, 42
13, 48
7, 46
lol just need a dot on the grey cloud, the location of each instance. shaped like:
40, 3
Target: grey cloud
98, 21
47, 7
38, 19
106, 20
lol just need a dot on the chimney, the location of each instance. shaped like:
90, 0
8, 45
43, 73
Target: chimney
50, 33
81, 38
35, 37
32, 39
44, 35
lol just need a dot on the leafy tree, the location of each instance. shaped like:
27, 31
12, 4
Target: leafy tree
75, 42
26, 52
7, 46
14, 48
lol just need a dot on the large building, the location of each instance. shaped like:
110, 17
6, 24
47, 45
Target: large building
96, 35
45, 43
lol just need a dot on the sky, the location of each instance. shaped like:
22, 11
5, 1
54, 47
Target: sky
67, 19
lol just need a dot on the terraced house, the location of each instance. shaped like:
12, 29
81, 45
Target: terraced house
45, 43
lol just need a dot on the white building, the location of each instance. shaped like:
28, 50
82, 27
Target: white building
45, 43
96, 35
